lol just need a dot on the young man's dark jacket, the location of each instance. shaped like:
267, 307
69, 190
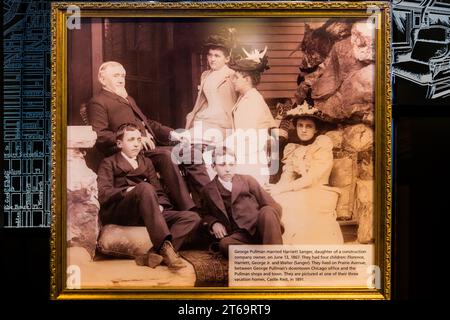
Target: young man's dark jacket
247, 199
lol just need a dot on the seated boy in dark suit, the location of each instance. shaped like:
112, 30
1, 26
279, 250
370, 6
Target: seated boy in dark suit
130, 194
237, 209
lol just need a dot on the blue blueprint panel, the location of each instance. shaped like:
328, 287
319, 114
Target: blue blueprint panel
26, 122
421, 41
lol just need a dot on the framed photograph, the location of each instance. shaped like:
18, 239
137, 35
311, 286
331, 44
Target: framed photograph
221, 150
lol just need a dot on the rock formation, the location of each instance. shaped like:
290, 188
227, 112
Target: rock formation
337, 75
82, 202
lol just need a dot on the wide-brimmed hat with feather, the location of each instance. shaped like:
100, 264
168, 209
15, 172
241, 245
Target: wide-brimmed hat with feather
306, 111
255, 61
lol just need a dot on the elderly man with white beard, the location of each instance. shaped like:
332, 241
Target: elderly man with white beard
112, 107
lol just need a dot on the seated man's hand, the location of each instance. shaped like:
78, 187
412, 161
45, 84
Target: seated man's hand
219, 230
184, 137
130, 188
161, 208
148, 143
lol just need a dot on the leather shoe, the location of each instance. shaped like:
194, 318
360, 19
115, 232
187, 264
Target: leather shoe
150, 259
170, 257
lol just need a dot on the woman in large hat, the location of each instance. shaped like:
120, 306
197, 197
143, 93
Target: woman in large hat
252, 118
309, 203
216, 95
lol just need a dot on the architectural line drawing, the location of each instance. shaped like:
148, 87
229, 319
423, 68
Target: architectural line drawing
421, 45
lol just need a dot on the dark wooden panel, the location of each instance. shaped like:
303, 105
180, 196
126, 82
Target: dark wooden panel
284, 54
269, 29
274, 45
264, 86
79, 72
283, 70
288, 62
279, 78
282, 38
269, 22
277, 94
285, 22
269, 38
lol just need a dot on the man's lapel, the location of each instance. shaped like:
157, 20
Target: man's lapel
133, 176
122, 163
131, 103
238, 186
141, 116
140, 170
115, 97
135, 108
215, 196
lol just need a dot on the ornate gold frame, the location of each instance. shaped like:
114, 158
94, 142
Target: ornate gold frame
383, 143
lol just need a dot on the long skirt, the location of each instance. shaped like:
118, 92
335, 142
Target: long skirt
309, 216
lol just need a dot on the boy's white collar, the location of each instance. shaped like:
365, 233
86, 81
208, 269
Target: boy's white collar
227, 184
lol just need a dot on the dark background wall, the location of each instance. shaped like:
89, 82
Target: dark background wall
79, 49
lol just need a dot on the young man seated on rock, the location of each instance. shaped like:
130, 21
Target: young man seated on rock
131, 195
237, 209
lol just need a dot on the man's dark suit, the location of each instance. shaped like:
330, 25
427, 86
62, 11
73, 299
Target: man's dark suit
255, 214
107, 111
140, 206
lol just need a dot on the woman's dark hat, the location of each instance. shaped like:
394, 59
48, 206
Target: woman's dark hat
306, 111
255, 61
225, 39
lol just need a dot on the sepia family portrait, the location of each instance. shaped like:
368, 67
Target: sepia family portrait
188, 136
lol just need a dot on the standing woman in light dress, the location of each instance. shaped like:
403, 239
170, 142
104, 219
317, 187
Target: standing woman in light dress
252, 119
308, 202
216, 96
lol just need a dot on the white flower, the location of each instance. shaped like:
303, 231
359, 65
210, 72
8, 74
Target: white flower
304, 109
255, 55
232, 30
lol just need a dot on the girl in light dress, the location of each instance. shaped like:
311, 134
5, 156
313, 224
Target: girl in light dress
308, 202
252, 119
